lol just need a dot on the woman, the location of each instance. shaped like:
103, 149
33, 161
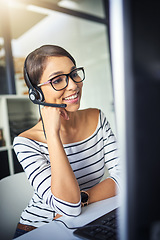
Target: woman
64, 155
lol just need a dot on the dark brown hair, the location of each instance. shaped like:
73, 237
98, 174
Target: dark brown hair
35, 62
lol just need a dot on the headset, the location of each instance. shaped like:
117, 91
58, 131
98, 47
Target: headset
35, 93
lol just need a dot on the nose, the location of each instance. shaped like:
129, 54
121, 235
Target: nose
71, 84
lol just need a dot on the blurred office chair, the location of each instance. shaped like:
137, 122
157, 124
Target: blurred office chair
15, 193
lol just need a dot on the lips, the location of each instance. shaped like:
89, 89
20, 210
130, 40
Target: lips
71, 97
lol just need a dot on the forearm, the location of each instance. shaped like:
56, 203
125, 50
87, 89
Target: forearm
63, 181
103, 190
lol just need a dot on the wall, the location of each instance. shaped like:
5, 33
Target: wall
87, 41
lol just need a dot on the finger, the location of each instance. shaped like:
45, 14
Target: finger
57, 216
64, 114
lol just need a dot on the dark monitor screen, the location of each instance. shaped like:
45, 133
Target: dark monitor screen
135, 54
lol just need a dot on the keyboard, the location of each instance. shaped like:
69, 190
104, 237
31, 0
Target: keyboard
103, 228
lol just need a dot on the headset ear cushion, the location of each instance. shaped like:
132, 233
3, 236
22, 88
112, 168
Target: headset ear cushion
40, 94
33, 94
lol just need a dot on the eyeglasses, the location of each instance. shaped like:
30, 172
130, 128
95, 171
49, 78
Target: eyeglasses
61, 81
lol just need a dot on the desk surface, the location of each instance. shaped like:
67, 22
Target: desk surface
57, 230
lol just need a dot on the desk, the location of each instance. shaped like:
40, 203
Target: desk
57, 230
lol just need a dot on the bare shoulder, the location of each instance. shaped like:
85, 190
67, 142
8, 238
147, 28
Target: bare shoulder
34, 133
28, 133
91, 113
91, 117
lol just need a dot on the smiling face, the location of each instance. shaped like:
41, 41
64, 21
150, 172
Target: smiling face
71, 95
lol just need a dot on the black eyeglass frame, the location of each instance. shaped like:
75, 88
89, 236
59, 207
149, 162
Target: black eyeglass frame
67, 79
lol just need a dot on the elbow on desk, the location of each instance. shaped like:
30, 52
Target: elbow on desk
65, 208
69, 211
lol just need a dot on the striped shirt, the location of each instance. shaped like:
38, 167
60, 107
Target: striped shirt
88, 159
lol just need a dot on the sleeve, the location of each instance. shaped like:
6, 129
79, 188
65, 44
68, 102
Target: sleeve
36, 165
111, 153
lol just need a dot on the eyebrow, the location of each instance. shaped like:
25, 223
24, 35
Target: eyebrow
59, 72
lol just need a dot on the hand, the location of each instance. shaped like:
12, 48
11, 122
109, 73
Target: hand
57, 216
63, 113
52, 119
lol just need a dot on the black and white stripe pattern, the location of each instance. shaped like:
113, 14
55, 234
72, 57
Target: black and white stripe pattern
88, 159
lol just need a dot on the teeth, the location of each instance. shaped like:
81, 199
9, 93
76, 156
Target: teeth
72, 97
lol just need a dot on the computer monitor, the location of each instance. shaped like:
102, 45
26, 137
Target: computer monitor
135, 54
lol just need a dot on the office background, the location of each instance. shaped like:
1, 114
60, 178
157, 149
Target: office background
81, 27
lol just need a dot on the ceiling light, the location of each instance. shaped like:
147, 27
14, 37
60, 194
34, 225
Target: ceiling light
67, 4
39, 10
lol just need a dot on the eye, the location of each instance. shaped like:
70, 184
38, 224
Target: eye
75, 74
57, 80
